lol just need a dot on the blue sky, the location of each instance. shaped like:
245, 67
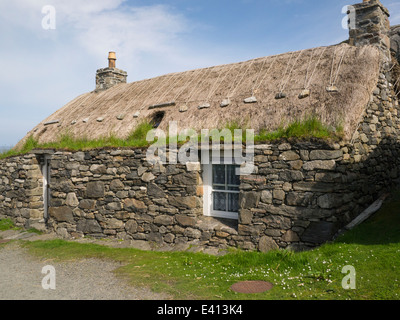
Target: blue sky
42, 70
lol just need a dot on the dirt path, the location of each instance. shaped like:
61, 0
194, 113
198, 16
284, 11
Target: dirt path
21, 279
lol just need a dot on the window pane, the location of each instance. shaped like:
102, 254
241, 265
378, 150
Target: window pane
218, 187
233, 179
219, 201
233, 202
219, 174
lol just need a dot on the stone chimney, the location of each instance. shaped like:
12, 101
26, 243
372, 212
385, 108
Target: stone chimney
369, 25
109, 77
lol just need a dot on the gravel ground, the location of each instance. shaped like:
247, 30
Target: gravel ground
21, 279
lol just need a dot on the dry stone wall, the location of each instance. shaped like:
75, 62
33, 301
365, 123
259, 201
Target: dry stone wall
299, 195
21, 192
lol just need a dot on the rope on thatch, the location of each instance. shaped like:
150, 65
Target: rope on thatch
206, 72
175, 77
218, 82
195, 72
265, 75
333, 79
308, 69
144, 87
284, 82
306, 91
243, 75
163, 82
258, 77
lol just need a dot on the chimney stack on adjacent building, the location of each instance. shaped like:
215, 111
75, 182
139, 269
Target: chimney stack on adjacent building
111, 76
369, 25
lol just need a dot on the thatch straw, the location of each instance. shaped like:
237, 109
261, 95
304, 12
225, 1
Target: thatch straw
357, 77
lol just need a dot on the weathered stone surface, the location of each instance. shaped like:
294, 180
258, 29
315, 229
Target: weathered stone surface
277, 222
249, 199
134, 205
190, 202
98, 168
131, 226
88, 226
164, 220
186, 179
318, 232
114, 206
325, 154
147, 177
289, 156
245, 216
87, 204
114, 224
299, 198
267, 244
279, 195
314, 186
185, 221
290, 236
72, 200
266, 196
319, 165
116, 185
62, 214
330, 200
95, 189
155, 191
192, 233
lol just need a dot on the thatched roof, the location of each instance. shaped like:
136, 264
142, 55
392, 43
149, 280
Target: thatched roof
354, 70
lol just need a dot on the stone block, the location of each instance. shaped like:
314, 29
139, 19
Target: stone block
95, 189
155, 191
318, 232
134, 205
290, 236
279, 195
87, 204
164, 220
116, 185
61, 214
192, 233
114, 224
185, 221
319, 165
267, 244
289, 156
266, 196
190, 202
72, 200
326, 154
249, 200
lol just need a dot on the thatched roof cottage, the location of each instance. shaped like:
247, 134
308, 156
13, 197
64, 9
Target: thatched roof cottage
299, 194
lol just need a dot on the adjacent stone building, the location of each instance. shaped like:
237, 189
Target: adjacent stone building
298, 194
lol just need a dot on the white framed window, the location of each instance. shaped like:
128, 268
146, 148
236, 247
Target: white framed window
221, 190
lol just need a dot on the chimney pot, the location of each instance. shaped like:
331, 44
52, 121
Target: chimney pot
109, 77
112, 57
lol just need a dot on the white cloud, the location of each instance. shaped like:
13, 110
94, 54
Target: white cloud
47, 68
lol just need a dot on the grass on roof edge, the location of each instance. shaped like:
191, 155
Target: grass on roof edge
311, 128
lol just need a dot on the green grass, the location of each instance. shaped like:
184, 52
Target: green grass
137, 138
7, 224
372, 248
307, 129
